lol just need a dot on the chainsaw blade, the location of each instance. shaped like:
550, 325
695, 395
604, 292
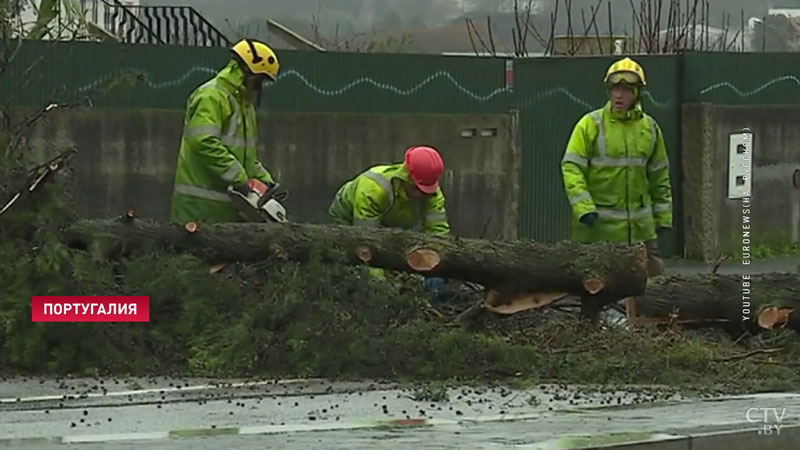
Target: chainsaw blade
244, 208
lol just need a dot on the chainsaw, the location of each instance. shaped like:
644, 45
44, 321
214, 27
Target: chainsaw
261, 203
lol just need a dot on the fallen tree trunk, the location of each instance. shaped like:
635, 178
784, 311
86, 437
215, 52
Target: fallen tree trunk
747, 302
603, 272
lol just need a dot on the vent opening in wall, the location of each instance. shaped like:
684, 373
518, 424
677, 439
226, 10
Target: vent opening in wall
740, 164
468, 132
489, 132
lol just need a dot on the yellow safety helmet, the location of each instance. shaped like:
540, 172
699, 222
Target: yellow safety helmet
625, 70
258, 57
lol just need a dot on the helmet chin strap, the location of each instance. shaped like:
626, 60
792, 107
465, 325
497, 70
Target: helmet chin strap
253, 87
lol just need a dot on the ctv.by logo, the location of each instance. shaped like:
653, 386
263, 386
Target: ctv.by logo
770, 417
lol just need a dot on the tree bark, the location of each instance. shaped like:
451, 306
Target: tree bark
745, 302
602, 272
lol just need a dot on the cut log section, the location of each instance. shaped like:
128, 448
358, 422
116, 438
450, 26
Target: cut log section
216, 268
600, 272
748, 302
512, 304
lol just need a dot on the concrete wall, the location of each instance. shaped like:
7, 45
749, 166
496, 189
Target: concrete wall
127, 160
713, 223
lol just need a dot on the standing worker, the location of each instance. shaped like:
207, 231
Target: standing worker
219, 147
616, 171
403, 195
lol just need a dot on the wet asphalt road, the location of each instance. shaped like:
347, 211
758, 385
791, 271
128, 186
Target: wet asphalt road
319, 414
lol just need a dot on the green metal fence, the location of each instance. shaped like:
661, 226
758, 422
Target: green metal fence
144, 76
551, 94
119, 76
389, 83
741, 79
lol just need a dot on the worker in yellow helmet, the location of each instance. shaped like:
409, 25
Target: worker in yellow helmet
219, 147
616, 170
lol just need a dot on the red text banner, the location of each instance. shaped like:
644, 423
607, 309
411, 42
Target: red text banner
90, 309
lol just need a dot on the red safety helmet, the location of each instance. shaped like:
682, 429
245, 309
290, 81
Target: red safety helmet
425, 166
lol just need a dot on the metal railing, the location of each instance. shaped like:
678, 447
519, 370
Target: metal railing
166, 25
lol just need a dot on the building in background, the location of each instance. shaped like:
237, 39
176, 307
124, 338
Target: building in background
126, 21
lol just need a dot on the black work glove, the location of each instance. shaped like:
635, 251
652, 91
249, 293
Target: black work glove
243, 189
278, 193
589, 218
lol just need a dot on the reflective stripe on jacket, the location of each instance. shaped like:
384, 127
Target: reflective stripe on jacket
616, 165
377, 198
219, 147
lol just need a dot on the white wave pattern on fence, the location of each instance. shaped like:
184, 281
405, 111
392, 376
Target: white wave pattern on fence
412, 90
293, 73
752, 92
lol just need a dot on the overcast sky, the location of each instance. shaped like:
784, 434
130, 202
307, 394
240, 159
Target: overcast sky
339, 19
364, 14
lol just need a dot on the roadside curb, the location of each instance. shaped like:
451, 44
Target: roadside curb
743, 439
214, 431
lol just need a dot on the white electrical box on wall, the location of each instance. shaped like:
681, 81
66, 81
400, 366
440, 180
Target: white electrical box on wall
740, 164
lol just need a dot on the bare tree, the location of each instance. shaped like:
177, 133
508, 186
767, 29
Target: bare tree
336, 40
658, 26
357, 42
14, 126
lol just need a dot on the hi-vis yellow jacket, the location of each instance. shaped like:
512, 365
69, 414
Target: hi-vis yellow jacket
219, 148
376, 198
616, 165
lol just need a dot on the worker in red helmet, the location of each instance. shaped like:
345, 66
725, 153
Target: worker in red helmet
404, 195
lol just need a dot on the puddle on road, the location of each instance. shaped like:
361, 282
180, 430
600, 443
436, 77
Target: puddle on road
203, 432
